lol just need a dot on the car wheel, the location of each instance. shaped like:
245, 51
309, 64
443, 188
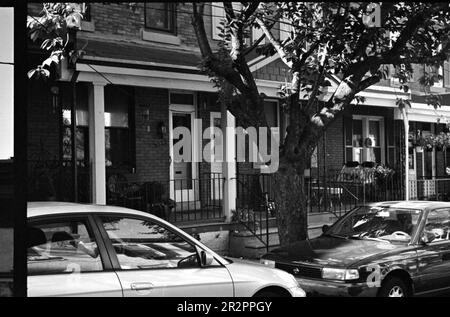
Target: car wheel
394, 287
269, 294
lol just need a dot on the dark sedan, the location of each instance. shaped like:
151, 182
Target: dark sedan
392, 249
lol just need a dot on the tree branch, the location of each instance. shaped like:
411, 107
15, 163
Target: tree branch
283, 55
199, 27
366, 83
250, 10
211, 61
256, 43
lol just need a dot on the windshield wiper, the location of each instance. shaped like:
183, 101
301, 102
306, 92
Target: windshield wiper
358, 237
334, 235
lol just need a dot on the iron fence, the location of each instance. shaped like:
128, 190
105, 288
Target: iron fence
54, 180
176, 200
255, 209
335, 193
434, 188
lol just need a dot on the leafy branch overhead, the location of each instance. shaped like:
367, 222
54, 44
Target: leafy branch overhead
52, 29
332, 40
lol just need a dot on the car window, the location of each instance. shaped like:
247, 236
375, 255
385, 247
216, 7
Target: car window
390, 224
438, 223
61, 247
142, 244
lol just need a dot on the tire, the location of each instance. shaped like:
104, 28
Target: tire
394, 287
269, 294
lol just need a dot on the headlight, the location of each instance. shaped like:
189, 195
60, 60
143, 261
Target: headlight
339, 274
266, 262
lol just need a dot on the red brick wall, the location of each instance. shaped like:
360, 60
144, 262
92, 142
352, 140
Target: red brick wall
115, 19
42, 121
152, 152
331, 156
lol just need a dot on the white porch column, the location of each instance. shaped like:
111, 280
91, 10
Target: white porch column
229, 163
97, 142
406, 126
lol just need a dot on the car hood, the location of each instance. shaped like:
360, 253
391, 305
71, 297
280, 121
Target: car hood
248, 272
336, 252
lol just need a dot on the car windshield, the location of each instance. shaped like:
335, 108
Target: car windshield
377, 223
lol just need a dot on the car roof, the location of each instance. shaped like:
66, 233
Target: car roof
413, 204
47, 208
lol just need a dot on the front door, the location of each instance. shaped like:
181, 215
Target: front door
153, 260
182, 172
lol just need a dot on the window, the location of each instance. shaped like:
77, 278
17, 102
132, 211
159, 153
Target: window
87, 12
446, 69
218, 17
391, 148
271, 110
285, 29
364, 139
438, 223
119, 150
82, 131
160, 16
141, 244
62, 247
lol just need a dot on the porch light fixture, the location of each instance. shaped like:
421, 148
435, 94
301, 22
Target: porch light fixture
162, 130
54, 90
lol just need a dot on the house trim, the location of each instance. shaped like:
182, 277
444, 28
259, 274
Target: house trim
423, 113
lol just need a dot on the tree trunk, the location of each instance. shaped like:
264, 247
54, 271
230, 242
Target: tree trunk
290, 196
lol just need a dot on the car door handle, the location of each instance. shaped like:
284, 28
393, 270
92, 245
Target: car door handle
141, 286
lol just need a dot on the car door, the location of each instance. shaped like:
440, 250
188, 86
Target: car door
152, 259
434, 257
65, 257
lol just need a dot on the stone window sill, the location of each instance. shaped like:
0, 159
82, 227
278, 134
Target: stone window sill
87, 26
160, 37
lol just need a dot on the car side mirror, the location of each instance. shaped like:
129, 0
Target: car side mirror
325, 228
206, 258
188, 262
427, 237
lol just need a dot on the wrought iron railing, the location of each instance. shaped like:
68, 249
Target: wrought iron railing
176, 200
335, 193
435, 188
54, 180
254, 207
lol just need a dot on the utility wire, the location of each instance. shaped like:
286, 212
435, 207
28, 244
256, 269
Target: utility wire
101, 74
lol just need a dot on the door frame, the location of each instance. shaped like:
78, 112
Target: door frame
215, 115
176, 195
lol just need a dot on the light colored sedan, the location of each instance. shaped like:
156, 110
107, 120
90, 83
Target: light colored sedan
92, 250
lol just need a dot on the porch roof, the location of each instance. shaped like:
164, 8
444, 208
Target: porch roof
423, 112
133, 52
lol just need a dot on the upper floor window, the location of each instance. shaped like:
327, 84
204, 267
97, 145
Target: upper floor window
364, 139
87, 12
160, 16
446, 70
